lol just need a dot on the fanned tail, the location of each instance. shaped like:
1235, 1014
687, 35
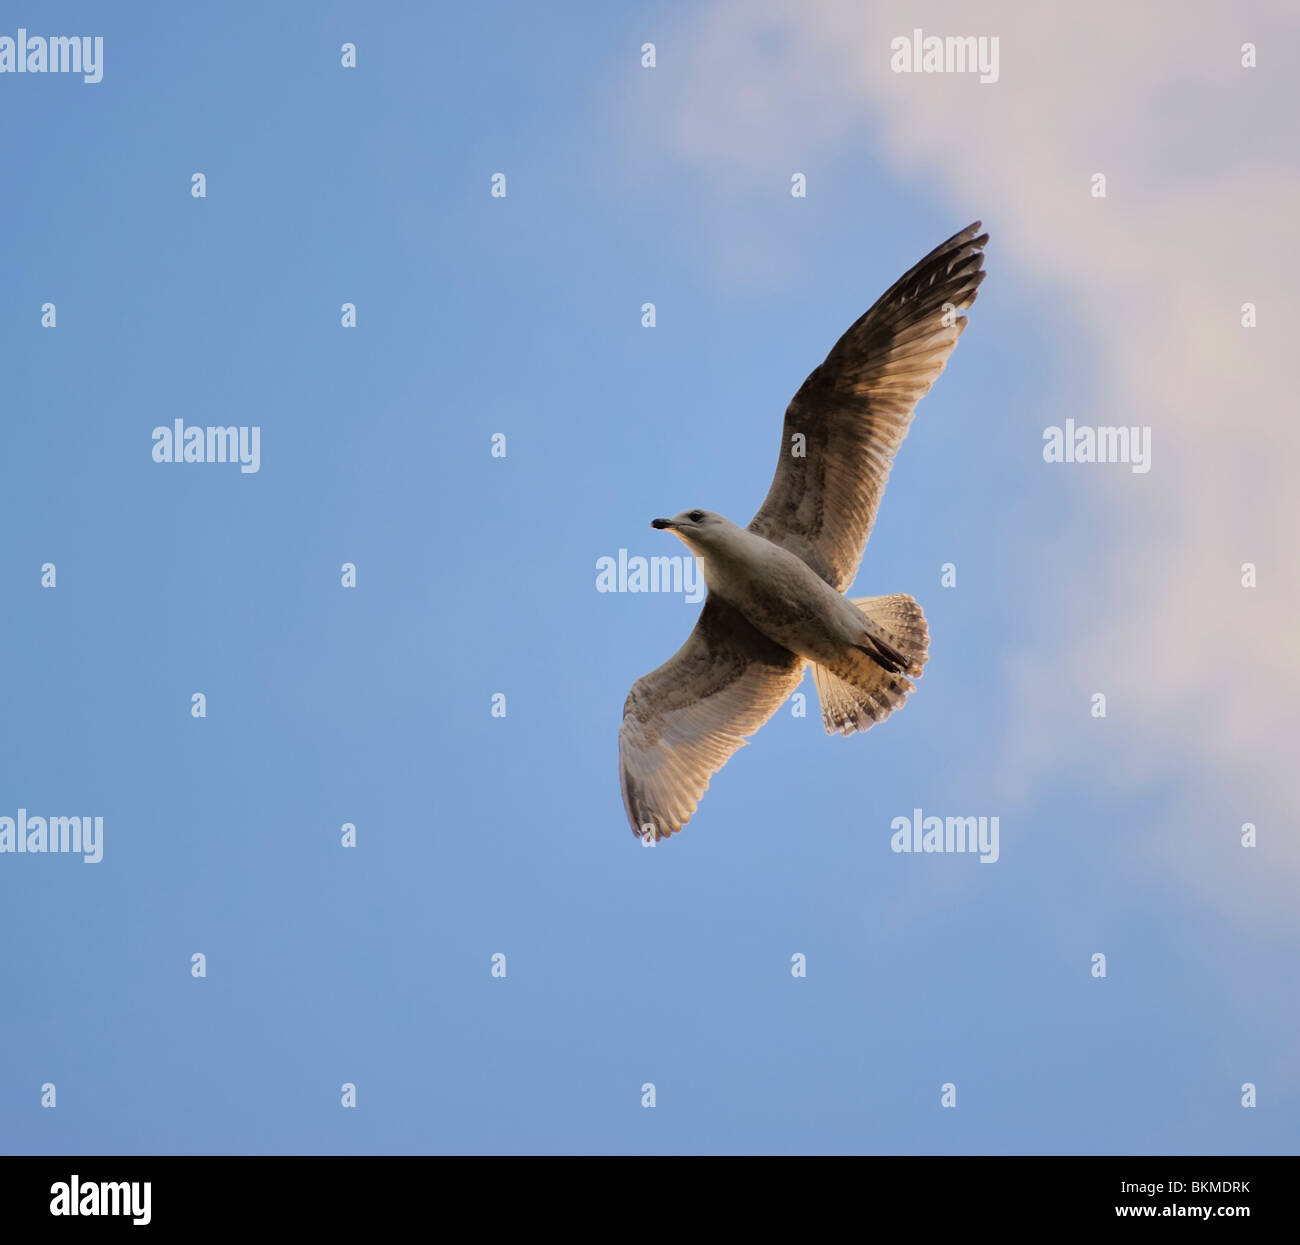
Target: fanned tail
870, 682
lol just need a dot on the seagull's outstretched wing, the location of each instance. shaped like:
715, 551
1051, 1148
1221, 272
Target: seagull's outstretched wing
854, 410
683, 721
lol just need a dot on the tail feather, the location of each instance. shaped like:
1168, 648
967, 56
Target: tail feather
897, 620
869, 682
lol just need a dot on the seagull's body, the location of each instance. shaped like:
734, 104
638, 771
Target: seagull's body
775, 601
777, 592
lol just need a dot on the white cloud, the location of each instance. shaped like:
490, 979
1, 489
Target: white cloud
1200, 217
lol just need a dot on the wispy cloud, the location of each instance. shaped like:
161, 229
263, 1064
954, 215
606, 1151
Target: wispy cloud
1202, 196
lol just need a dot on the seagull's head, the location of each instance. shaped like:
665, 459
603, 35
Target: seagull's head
699, 530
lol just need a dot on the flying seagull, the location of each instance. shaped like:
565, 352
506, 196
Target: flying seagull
776, 588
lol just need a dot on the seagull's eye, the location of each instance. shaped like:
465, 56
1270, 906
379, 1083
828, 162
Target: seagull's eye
696, 516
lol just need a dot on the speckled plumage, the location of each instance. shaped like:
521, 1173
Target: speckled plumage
776, 589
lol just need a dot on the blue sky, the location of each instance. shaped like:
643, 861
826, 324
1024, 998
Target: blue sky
475, 575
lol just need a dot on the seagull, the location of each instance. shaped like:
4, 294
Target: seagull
776, 588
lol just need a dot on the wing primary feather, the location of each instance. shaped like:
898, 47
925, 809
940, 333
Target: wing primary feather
854, 410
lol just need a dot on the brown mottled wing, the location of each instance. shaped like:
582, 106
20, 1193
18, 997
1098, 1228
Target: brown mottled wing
682, 722
854, 411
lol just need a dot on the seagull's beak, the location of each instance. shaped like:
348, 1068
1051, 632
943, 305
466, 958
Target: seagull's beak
660, 524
